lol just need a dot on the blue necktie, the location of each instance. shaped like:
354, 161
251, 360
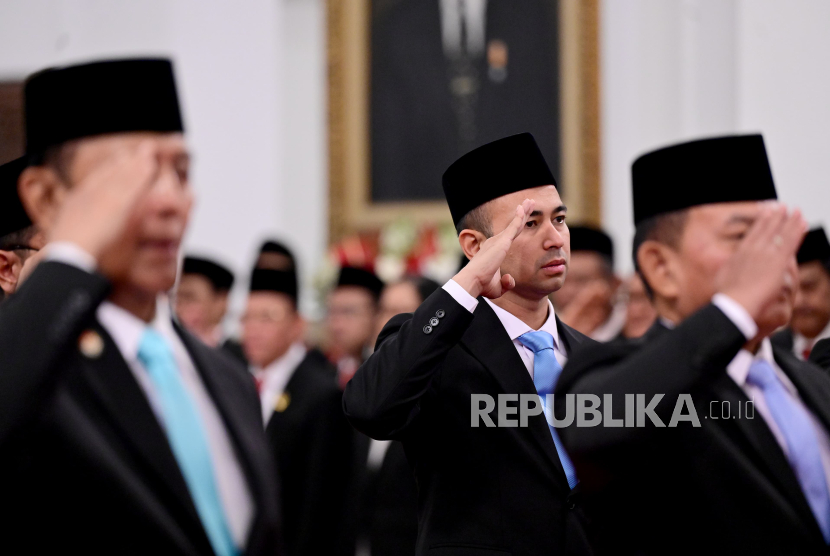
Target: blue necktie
187, 439
546, 371
802, 441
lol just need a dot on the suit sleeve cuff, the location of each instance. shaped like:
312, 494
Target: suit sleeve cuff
460, 295
70, 253
735, 312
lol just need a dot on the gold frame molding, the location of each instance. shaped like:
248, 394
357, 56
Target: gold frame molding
350, 209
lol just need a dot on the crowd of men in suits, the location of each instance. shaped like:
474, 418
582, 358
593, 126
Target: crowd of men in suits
131, 424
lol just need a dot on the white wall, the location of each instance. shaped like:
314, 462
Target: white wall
251, 77
673, 70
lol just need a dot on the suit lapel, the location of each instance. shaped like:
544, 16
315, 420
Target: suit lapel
488, 341
112, 384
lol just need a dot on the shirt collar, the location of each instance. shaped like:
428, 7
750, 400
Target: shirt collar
515, 327
126, 329
800, 343
738, 368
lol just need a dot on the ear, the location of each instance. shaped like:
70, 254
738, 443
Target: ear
657, 262
41, 192
471, 241
299, 329
10, 265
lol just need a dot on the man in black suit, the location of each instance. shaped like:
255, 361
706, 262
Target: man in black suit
306, 429
202, 302
483, 490
120, 431
810, 322
19, 238
729, 452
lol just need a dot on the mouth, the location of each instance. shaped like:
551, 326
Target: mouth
162, 247
554, 267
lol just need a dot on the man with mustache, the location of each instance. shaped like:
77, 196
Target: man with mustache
119, 430
746, 469
490, 330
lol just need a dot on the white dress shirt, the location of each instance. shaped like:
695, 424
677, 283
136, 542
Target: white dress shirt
513, 325
126, 331
274, 378
469, 14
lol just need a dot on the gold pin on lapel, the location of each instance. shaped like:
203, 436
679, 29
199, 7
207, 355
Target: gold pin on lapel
91, 344
282, 402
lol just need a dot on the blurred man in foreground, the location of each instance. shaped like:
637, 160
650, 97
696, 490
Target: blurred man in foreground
702, 470
305, 426
19, 238
811, 315
119, 430
588, 300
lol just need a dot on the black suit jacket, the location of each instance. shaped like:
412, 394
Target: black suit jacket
820, 354
310, 438
725, 487
480, 490
84, 463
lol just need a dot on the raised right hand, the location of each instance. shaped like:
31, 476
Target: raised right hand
757, 273
482, 276
96, 210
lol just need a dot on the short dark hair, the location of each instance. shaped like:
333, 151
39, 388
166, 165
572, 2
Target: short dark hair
57, 157
477, 219
665, 228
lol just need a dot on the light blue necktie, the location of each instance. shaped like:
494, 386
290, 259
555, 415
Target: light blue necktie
802, 441
546, 371
187, 439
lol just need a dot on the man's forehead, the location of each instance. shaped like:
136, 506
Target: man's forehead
546, 197
728, 213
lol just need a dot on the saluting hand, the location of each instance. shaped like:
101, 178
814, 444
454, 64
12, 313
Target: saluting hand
96, 210
762, 267
482, 276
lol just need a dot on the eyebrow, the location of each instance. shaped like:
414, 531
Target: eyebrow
560, 208
741, 219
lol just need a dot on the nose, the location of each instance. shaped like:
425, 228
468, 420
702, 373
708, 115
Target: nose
554, 238
169, 196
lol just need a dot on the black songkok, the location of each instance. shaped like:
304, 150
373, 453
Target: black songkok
277, 281
719, 170
112, 96
362, 278
815, 247
13, 217
493, 170
218, 275
585, 238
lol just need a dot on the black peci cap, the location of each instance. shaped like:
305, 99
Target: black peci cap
219, 276
276, 281
815, 247
586, 238
718, 170
493, 170
13, 217
362, 278
62, 104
